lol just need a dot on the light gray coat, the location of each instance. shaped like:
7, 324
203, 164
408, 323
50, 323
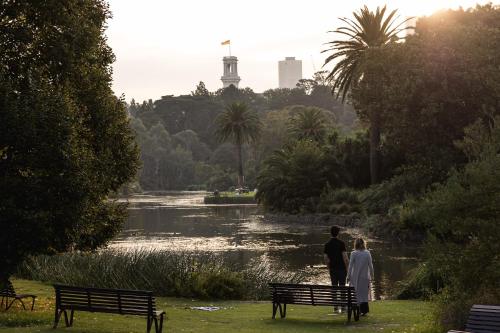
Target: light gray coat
360, 273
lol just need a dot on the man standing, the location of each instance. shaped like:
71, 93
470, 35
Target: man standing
336, 258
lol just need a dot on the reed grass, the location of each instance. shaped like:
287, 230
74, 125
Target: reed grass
166, 273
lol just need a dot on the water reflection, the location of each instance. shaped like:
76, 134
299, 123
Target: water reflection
181, 222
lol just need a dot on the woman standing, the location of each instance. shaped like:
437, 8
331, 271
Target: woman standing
360, 273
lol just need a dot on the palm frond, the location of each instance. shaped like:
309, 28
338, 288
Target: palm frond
366, 30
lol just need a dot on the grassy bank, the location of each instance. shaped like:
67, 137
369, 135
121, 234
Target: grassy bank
244, 317
231, 198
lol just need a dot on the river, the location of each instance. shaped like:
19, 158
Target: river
179, 221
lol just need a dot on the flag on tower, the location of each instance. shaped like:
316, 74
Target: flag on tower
227, 42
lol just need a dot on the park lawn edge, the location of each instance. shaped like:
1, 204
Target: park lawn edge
234, 316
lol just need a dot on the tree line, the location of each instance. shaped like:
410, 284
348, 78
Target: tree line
182, 137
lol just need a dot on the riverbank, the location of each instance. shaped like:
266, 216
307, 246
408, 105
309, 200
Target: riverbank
377, 226
244, 317
351, 220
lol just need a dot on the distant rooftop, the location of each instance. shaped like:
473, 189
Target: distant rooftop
289, 58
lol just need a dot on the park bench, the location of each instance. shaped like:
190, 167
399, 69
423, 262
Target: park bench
316, 295
9, 296
117, 301
482, 319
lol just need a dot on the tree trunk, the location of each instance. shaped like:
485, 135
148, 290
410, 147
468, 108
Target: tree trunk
240, 166
375, 147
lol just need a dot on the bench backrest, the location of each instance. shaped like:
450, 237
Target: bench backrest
484, 319
8, 290
133, 302
312, 294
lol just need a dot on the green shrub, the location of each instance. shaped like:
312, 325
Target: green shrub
292, 179
423, 283
411, 181
339, 201
221, 285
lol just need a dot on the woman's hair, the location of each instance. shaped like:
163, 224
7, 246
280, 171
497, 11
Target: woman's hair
359, 244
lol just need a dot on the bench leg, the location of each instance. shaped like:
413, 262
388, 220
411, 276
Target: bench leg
150, 323
281, 310
66, 319
71, 317
57, 317
8, 306
356, 312
284, 310
22, 303
160, 329
8, 303
33, 303
275, 307
349, 313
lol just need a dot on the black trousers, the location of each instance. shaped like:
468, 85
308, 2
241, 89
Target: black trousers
363, 308
338, 277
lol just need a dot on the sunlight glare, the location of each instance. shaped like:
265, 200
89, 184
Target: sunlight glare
427, 7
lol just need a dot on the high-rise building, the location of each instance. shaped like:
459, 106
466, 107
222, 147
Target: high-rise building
290, 72
230, 76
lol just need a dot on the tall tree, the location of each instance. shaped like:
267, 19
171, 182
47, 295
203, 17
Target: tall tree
309, 124
65, 139
368, 30
239, 125
201, 90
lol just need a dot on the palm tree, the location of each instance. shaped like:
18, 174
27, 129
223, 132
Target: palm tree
368, 30
309, 123
238, 124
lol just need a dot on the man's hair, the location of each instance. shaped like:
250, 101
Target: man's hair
334, 231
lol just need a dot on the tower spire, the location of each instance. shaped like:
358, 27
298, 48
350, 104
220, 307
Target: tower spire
230, 68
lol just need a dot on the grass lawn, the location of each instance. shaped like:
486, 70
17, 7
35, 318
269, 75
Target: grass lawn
385, 316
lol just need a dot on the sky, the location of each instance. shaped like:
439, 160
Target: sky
165, 47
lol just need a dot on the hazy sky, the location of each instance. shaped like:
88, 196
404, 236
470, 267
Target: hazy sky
166, 47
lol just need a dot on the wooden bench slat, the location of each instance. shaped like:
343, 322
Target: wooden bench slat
485, 319
489, 322
308, 299
110, 310
479, 328
278, 292
491, 308
315, 292
102, 302
106, 296
483, 323
103, 290
485, 314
